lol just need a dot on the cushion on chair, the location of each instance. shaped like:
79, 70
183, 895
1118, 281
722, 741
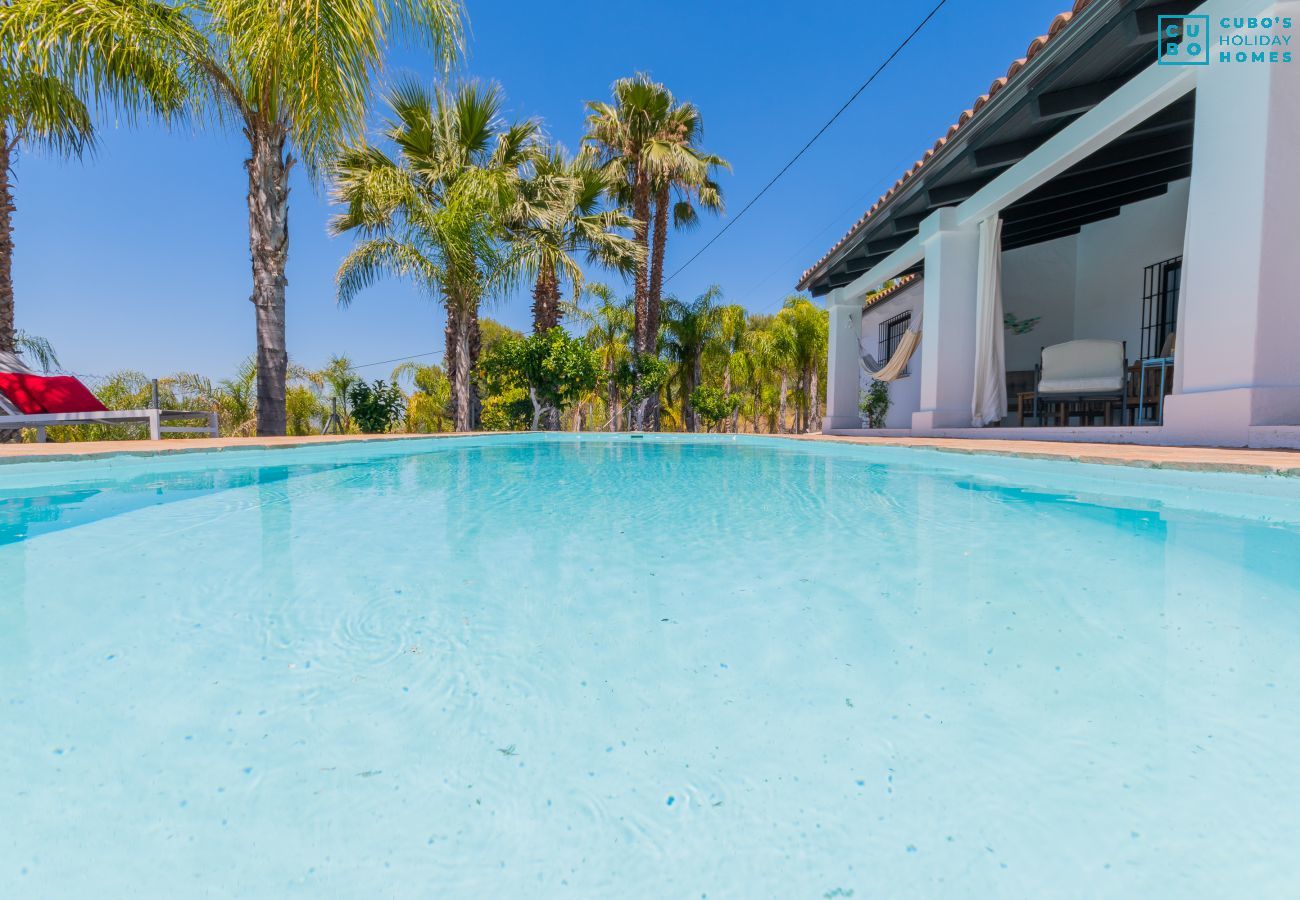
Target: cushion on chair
37, 394
1085, 361
65, 394
1080, 385
23, 391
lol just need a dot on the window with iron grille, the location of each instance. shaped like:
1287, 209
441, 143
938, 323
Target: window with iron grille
891, 332
1161, 284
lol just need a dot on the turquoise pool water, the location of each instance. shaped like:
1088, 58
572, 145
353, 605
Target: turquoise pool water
552, 667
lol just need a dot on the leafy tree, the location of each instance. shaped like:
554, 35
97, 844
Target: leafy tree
710, 405
295, 77
436, 214
644, 375
508, 410
377, 407
554, 368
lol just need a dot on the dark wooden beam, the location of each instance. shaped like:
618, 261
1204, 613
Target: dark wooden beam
1176, 145
1073, 100
1017, 244
909, 222
1022, 229
1047, 210
1143, 173
889, 244
948, 194
1007, 153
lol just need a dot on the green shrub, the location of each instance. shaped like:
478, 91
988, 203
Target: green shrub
711, 405
377, 407
875, 404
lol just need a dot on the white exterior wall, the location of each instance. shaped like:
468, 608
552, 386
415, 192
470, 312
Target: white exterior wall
1039, 280
905, 393
1112, 255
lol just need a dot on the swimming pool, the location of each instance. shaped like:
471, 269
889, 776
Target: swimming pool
660, 667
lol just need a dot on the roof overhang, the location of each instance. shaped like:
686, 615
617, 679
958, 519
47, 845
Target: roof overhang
1086, 57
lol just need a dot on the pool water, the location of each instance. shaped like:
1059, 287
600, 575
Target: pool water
612, 667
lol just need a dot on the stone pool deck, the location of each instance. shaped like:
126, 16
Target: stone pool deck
1204, 459
1192, 459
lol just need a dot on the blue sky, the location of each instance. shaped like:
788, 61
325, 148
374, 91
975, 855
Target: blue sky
137, 258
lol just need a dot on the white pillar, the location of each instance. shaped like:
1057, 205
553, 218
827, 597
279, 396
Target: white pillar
948, 321
1237, 357
842, 366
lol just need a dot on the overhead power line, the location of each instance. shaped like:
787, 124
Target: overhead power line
804, 149
383, 362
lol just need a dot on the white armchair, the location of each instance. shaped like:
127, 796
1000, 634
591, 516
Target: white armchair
1082, 370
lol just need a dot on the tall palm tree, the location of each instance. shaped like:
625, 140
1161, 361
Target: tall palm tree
437, 214
560, 216
48, 93
295, 77
627, 136
682, 176
688, 330
609, 324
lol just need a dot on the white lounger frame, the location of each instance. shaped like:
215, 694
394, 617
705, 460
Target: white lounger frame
154, 418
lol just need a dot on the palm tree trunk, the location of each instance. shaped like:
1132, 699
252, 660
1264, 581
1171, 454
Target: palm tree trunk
726, 391
268, 237
546, 301
459, 329
643, 338
659, 245
613, 411
8, 331
814, 418
780, 409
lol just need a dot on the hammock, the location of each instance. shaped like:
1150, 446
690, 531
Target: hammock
893, 369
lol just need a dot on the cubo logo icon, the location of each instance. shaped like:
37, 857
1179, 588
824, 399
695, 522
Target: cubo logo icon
1183, 40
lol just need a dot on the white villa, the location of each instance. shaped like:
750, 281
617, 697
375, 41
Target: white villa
1148, 207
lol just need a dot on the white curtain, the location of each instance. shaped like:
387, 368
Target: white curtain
989, 403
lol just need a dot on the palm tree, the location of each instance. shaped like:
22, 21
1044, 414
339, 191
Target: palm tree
688, 330
733, 328
802, 330
626, 136
609, 331
294, 76
47, 90
683, 179
426, 407
436, 214
560, 216
338, 375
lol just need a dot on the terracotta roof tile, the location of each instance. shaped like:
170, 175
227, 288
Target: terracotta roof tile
886, 293
1058, 25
